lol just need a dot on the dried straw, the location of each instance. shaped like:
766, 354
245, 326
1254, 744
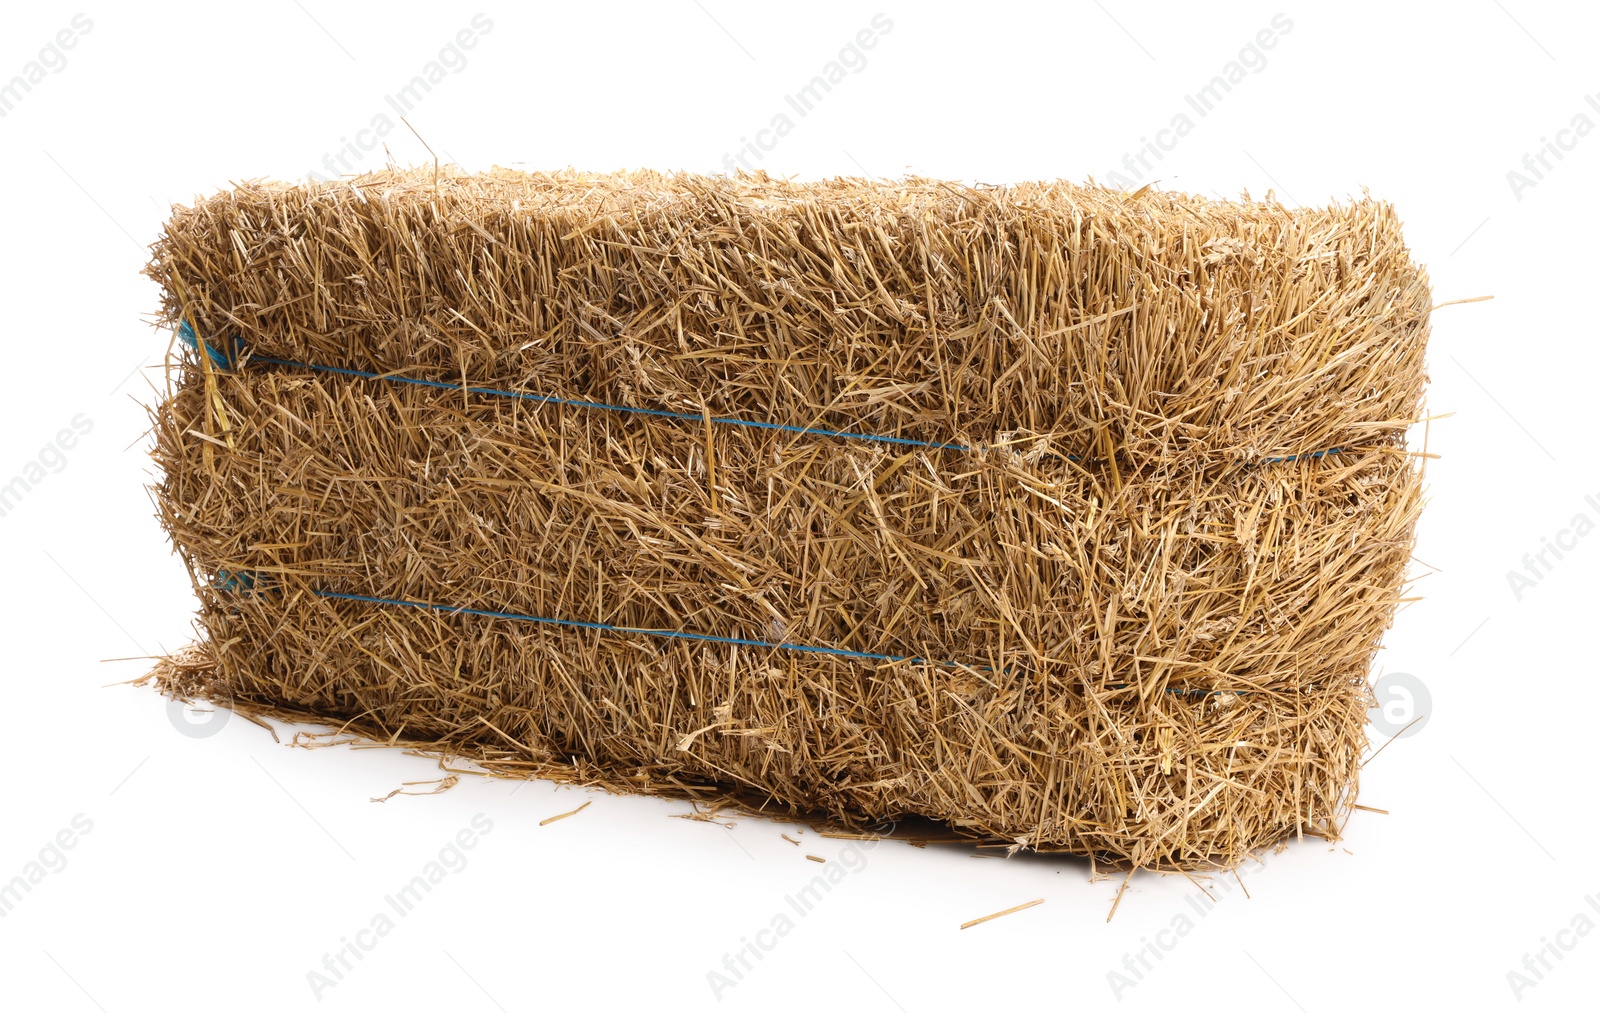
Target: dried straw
1142, 613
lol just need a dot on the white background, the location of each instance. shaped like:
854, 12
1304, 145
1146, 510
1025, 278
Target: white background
220, 869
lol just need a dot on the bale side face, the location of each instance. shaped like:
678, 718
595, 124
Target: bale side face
1143, 641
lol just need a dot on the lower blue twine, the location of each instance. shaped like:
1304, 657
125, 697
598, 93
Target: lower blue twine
609, 628
705, 638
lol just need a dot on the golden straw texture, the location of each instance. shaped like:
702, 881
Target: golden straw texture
1138, 613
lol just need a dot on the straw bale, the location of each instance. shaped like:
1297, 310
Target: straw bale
1124, 606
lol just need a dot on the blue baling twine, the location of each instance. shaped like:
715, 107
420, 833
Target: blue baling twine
706, 638
246, 580
218, 359
222, 360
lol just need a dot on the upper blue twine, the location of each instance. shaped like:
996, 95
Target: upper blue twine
224, 360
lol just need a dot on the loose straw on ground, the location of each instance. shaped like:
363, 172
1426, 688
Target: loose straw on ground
1002, 914
551, 819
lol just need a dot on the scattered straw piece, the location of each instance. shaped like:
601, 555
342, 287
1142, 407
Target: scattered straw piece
1002, 914
551, 819
1120, 891
439, 784
814, 858
1198, 886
